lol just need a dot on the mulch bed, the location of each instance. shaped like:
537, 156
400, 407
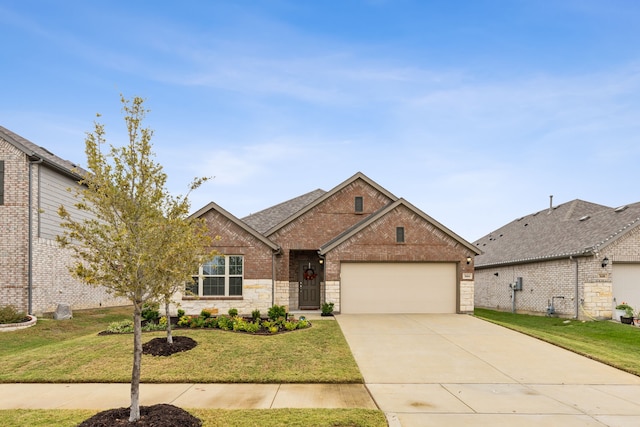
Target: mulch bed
160, 347
161, 415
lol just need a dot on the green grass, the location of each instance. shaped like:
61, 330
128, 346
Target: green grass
609, 342
72, 351
215, 417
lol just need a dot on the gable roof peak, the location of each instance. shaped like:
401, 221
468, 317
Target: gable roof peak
328, 194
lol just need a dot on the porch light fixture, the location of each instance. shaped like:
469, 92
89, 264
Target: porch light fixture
468, 260
321, 261
605, 262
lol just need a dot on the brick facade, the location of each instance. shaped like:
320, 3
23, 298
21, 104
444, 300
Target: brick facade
51, 282
581, 287
300, 240
586, 286
14, 226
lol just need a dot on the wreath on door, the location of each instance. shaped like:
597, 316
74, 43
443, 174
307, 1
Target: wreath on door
310, 274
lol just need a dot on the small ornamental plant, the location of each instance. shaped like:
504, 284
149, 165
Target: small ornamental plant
628, 310
327, 309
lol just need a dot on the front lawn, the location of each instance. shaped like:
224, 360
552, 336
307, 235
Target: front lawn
609, 342
215, 417
72, 351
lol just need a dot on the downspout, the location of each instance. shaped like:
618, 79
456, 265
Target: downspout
30, 239
273, 275
323, 262
273, 278
577, 287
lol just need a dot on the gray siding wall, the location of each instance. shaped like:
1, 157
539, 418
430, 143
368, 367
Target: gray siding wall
56, 190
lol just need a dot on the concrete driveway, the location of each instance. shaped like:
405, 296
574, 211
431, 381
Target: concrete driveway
457, 370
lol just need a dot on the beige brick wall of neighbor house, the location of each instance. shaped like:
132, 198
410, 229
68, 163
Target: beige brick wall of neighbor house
541, 282
53, 284
544, 280
14, 228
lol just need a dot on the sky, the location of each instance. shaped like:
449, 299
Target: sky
473, 111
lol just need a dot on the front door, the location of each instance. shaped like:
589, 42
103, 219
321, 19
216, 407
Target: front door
309, 284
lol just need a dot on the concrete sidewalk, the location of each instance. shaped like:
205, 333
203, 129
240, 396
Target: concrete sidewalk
212, 396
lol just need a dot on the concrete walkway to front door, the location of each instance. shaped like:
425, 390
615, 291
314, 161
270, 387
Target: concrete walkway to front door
457, 370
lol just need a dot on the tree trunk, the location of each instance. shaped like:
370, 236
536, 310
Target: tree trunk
169, 336
134, 415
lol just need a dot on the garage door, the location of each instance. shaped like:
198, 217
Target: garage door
626, 284
398, 288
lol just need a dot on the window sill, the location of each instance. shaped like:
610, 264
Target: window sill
212, 298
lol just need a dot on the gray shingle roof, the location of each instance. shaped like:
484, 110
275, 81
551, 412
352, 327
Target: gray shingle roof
572, 228
270, 217
33, 150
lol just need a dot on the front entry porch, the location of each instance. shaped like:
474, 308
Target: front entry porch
306, 277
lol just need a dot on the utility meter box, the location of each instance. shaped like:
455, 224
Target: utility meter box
518, 284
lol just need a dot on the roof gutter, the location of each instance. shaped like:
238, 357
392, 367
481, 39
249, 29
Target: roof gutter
586, 252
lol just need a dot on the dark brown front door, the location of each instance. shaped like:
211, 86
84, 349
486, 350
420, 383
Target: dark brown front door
309, 284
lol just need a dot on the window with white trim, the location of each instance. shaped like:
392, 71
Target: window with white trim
220, 277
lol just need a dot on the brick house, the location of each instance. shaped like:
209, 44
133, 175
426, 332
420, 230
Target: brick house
33, 269
357, 245
580, 258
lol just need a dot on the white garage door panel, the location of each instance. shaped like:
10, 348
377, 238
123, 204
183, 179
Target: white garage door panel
398, 287
626, 284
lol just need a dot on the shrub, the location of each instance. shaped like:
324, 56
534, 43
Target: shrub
253, 327
255, 315
303, 324
163, 321
197, 322
205, 313
153, 327
150, 312
9, 314
184, 320
233, 312
122, 327
290, 326
267, 324
327, 308
211, 322
225, 323
273, 329
181, 313
276, 312
239, 324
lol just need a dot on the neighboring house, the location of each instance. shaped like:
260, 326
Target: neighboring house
34, 274
357, 246
580, 258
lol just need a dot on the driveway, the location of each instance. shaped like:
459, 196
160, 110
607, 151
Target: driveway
457, 370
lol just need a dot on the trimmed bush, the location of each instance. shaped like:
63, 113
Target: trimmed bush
8, 314
276, 312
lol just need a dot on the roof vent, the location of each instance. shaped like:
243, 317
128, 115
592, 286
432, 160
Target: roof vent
584, 218
620, 208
